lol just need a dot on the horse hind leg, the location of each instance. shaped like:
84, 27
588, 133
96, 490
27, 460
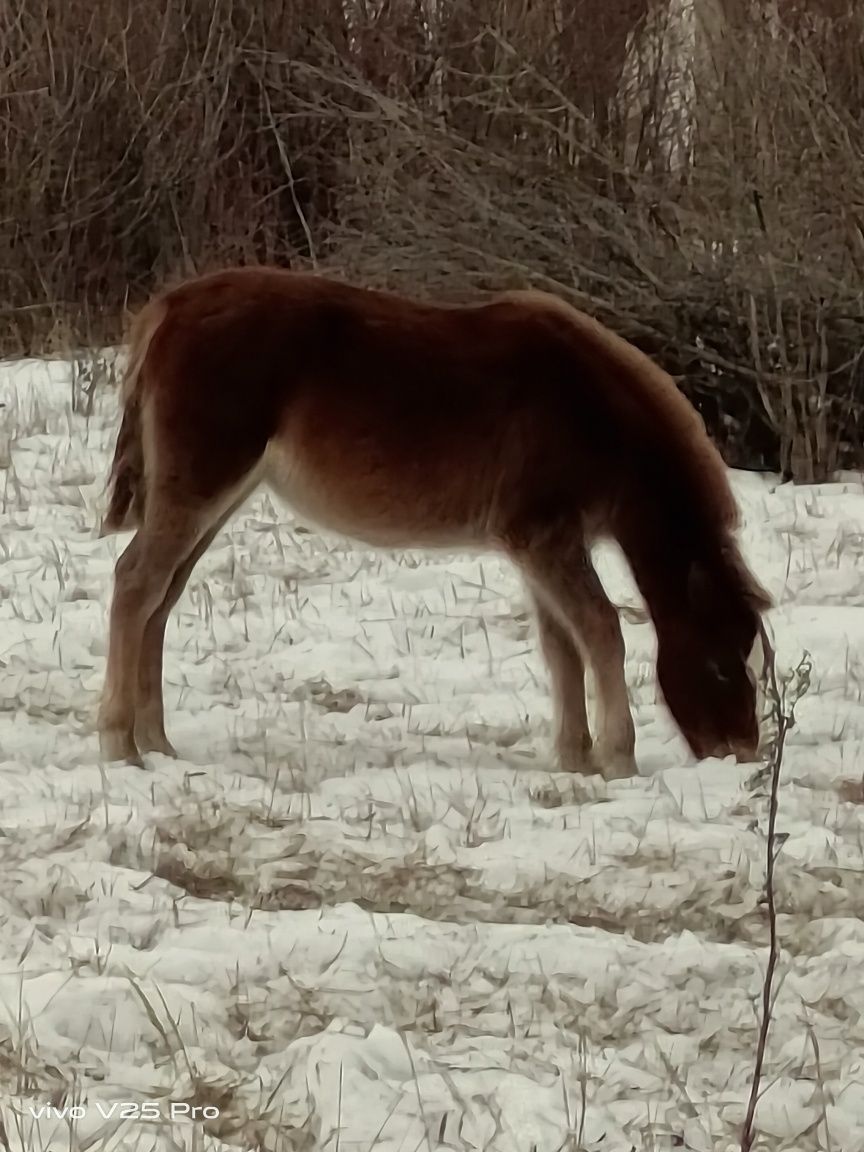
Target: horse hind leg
142, 578
150, 708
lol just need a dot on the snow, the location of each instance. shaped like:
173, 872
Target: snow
365, 912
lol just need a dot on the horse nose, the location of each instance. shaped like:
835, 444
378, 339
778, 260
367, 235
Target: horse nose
745, 752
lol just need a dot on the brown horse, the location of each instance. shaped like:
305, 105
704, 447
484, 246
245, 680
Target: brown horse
516, 424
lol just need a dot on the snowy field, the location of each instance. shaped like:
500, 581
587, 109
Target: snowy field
363, 911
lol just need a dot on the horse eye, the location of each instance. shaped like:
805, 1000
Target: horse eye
714, 669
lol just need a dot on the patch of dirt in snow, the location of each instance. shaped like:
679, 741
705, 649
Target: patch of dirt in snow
364, 911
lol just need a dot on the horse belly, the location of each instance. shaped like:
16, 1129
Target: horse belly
372, 504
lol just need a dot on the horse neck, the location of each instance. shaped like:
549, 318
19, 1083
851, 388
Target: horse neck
660, 553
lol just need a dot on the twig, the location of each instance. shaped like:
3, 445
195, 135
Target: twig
784, 714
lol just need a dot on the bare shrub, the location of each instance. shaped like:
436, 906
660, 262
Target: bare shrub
137, 145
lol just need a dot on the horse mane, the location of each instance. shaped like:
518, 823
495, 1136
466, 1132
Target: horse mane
643, 384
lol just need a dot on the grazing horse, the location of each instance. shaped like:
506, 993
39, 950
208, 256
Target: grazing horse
516, 424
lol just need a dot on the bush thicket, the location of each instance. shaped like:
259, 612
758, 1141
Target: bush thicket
690, 173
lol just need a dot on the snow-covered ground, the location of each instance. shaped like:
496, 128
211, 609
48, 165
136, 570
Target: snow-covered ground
364, 912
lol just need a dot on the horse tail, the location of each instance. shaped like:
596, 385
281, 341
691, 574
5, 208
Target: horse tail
127, 488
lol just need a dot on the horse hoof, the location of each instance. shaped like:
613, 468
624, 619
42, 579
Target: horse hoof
617, 766
118, 745
156, 743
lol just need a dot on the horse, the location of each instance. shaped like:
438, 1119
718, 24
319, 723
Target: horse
512, 423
